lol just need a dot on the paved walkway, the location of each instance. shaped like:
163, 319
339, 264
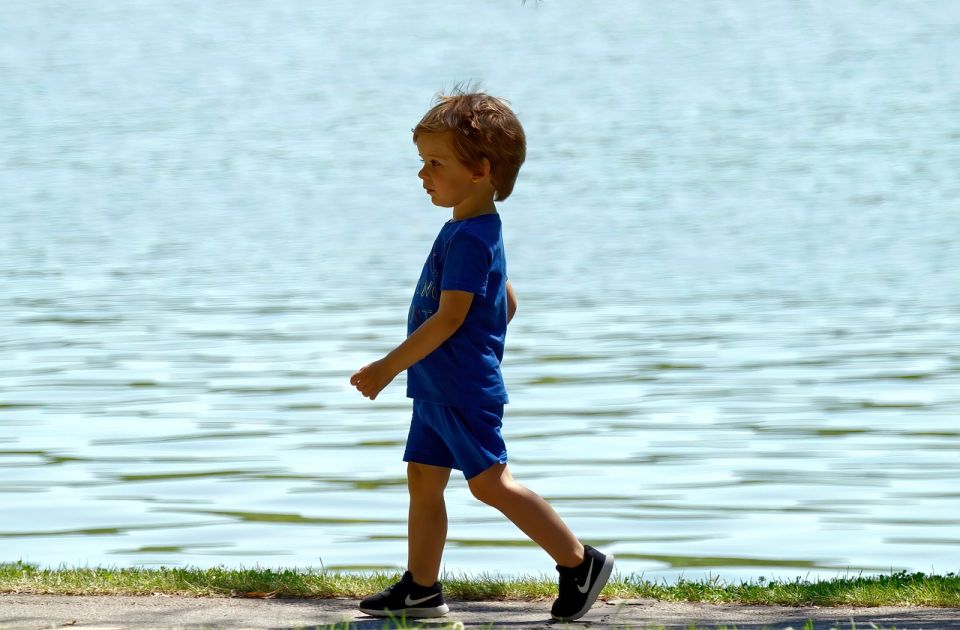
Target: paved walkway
58, 611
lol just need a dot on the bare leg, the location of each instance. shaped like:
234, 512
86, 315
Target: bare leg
528, 511
427, 522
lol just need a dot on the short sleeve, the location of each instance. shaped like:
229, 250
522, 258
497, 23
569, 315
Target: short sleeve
466, 265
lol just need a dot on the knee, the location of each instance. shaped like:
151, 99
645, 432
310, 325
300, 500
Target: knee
490, 490
423, 482
482, 493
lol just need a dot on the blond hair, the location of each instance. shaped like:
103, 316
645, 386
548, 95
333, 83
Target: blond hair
483, 126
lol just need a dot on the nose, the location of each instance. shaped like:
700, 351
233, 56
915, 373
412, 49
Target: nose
423, 170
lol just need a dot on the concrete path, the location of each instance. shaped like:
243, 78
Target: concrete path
57, 611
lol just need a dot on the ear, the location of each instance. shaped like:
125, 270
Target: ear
484, 170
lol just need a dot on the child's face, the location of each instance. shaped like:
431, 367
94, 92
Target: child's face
448, 182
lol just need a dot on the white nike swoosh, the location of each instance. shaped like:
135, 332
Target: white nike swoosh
586, 583
414, 602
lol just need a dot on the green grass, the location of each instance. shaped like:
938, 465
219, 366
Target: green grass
894, 589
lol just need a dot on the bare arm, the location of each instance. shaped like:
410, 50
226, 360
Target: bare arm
372, 378
433, 332
511, 301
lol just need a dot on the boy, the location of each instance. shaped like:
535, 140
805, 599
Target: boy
472, 146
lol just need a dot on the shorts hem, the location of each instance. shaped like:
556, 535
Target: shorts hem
493, 462
419, 458
458, 402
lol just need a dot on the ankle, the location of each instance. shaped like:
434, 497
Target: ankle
422, 583
575, 559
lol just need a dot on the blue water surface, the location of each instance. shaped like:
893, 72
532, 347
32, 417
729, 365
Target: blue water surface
735, 243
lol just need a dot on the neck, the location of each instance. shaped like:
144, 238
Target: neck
467, 211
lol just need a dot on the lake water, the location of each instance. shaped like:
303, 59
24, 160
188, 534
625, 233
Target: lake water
735, 243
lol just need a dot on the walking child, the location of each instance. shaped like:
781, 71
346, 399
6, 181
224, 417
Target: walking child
472, 147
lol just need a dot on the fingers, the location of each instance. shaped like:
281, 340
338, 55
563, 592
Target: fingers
356, 375
369, 390
362, 384
365, 383
359, 382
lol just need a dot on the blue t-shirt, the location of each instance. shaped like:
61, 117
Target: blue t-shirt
465, 369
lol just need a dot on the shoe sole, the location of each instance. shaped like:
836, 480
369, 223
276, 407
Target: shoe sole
602, 578
413, 613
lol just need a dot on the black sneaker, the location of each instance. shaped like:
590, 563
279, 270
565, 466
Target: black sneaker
406, 598
580, 585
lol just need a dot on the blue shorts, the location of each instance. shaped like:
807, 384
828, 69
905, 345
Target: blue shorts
465, 438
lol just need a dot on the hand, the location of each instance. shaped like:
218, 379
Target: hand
372, 378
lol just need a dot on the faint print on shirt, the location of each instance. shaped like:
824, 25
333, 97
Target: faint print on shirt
428, 288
